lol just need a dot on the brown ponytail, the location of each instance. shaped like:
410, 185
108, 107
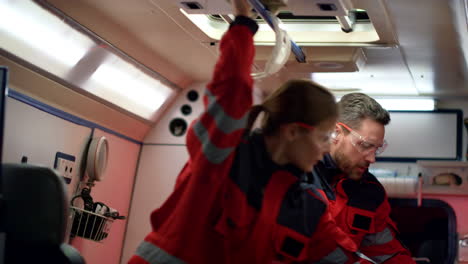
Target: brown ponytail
253, 114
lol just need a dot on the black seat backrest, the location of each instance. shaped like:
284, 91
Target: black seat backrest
434, 250
34, 216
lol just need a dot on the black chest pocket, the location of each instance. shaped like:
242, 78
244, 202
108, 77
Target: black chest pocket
297, 219
359, 220
364, 198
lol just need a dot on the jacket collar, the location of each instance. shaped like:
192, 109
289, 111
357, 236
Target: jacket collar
332, 169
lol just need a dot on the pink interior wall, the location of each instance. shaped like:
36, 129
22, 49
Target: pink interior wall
162, 157
115, 191
157, 173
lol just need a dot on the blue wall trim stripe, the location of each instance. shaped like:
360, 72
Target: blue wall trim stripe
64, 115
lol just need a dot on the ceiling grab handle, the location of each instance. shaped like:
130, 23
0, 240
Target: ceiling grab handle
283, 43
261, 10
280, 54
347, 22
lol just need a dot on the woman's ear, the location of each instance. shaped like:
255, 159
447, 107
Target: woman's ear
289, 131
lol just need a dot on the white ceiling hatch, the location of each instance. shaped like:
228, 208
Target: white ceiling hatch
308, 23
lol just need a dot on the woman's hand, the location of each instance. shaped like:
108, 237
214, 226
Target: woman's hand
241, 8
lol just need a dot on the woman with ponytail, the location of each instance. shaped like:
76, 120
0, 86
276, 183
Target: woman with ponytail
241, 197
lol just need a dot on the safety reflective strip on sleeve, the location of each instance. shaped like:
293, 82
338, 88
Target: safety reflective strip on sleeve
213, 153
365, 257
223, 121
382, 258
379, 238
336, 256
375, 259
155, 255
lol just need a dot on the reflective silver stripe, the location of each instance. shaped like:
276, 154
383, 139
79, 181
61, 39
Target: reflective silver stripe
375, 259
154, 255
382, 258
214, 154
337, 256
379, 238
365, 257
223, 121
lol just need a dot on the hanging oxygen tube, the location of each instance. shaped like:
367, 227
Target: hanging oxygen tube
283, 44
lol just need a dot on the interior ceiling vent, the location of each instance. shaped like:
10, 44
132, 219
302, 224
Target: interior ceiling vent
192, 5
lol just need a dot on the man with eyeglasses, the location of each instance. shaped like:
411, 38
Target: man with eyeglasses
358, 201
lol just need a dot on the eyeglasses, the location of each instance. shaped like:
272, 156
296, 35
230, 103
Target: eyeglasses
362, 145
304, 125
324, 138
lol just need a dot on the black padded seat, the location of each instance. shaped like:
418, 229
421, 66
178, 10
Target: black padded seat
34, 212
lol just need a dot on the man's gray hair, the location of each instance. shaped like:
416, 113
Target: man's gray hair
354, 107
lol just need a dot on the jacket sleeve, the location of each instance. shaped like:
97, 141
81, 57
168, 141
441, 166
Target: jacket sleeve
330, 244
228, 97
383, 246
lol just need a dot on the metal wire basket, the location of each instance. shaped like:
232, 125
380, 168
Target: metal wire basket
90, 225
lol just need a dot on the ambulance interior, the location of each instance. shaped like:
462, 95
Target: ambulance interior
102, 93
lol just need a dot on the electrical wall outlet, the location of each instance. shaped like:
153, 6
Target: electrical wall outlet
65, 165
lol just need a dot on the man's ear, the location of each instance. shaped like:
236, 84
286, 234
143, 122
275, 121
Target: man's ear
336, 135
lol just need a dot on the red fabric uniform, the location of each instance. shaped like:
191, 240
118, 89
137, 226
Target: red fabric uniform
231, 203
361, 209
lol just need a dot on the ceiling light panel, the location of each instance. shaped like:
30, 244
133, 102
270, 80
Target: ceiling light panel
41, 38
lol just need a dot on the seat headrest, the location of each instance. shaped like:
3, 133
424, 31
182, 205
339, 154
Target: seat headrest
35, 204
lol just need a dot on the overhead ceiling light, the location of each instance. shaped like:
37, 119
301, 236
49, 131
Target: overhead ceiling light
33, 34
128, 87
368, 83
411, 104
345, 90
40, 37
405, 104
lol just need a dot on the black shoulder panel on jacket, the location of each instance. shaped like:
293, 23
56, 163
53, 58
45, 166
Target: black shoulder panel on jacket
301, 211
251, 169
367, 194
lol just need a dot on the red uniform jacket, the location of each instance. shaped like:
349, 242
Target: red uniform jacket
361, 209
231, 203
